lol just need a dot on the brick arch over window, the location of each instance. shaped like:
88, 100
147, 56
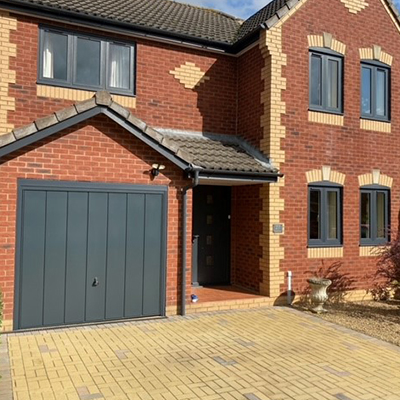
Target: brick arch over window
326, 41
375, 178
325, 174
376, 53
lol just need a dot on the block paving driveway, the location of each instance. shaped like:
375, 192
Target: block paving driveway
262, 354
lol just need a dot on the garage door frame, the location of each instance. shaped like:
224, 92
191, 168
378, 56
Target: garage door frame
70, 186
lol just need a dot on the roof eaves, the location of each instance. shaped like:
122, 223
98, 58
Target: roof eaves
124, 27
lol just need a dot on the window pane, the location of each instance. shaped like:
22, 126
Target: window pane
366, 91
365, 216
119, 66
380, 215
315, 211
54, 57
332, 215
88, 62
381, 93
332, 84
316, 65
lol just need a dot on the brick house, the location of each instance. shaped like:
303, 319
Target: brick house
143, 139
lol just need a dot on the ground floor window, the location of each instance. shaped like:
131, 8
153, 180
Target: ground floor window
325, 217
374, 216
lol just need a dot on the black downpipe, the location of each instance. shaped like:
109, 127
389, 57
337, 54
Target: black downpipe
184, 239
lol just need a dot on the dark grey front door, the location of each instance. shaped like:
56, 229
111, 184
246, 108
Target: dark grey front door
211, 235
89, 252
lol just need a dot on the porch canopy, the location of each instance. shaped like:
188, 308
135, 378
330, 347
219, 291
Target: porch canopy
210, 159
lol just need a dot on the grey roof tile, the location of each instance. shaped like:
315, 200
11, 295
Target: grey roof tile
137, 122
7, 139
122, 111
66, 113
162, 15
45, 122
27, 130
85, 105
103, 98
262, 16
218, 152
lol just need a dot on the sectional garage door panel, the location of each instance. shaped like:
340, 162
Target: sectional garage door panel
89, 254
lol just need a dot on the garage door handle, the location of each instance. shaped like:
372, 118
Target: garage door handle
95, 282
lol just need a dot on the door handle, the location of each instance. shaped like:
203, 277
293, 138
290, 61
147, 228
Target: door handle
95, 282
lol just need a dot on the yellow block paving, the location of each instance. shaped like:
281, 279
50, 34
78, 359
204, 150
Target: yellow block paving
260, 354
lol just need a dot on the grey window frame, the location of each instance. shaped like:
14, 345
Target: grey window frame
373, 190
325, 56
374, 66
71, 63
324, 187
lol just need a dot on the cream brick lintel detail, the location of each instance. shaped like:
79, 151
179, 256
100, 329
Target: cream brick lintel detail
325, 174
376, 53
370, 251
377, 126
326, 40
325, 252
325, 118
355, 6
375, 178
55, 92
7, 50
189, 75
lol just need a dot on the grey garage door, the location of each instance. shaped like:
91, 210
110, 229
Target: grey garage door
89, 253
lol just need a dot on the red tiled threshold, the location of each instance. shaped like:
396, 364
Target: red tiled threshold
219, 298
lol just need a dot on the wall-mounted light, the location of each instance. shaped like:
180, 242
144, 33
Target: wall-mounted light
156, 168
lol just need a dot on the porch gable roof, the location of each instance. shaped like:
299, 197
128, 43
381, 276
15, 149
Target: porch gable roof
208, 153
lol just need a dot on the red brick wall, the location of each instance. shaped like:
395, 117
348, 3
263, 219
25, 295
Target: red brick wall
162, 101
246, 231
96, 151
346, 149
250, 87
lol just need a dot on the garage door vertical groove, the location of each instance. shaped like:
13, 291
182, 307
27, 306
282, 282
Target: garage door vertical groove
106, 255
66, 260
126, 249
87, 256
144, 250
44, 252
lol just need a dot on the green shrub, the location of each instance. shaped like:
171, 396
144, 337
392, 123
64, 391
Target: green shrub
386, 279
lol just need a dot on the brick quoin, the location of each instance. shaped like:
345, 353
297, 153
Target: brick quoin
95, 151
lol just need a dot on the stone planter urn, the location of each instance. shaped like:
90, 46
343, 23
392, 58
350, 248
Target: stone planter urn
318, 293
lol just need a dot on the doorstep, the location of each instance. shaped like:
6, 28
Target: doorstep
223, 298
224, 305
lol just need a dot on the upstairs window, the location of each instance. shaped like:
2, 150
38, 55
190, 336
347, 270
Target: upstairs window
324, 216
86, 62
326, 82
375, 91
374, 216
